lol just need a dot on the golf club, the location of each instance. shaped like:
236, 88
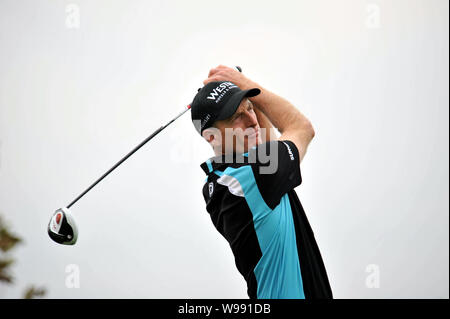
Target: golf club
62, 228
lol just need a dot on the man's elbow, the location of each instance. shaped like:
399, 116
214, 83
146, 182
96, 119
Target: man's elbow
309, 129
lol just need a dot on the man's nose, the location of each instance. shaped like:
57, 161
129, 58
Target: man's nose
251, 120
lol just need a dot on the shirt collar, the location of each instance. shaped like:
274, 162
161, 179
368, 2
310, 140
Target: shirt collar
223, 160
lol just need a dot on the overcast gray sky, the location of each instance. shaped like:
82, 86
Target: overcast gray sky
83, 82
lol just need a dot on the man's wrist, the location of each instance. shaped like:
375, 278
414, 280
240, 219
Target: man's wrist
248, 84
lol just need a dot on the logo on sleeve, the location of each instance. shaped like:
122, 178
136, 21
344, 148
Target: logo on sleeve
289, 151
211, 188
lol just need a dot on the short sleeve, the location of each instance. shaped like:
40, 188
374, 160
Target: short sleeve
276, 167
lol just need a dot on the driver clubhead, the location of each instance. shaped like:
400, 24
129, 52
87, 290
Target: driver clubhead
62, 228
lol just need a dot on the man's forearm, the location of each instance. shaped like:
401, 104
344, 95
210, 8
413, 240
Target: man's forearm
283, 115
264, 123
291, 123
279, 111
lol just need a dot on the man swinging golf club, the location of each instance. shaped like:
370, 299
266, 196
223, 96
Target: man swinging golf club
250, 194
249, 190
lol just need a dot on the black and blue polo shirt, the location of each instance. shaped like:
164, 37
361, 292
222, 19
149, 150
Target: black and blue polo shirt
257, 210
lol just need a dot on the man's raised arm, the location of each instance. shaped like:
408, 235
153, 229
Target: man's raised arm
291, 123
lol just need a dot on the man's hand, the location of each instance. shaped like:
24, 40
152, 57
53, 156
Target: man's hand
224, 73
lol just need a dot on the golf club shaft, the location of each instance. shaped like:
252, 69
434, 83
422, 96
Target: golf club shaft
127, 156
133, 151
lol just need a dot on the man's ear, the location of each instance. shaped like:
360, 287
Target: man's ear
208, 135
213, 136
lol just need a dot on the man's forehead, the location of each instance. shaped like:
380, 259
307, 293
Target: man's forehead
241, 109
243, 105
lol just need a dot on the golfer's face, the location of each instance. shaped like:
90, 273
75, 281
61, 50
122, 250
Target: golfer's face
241, 131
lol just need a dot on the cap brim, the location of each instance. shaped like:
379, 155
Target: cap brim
230, 108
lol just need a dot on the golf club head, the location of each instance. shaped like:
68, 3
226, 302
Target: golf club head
62, 228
